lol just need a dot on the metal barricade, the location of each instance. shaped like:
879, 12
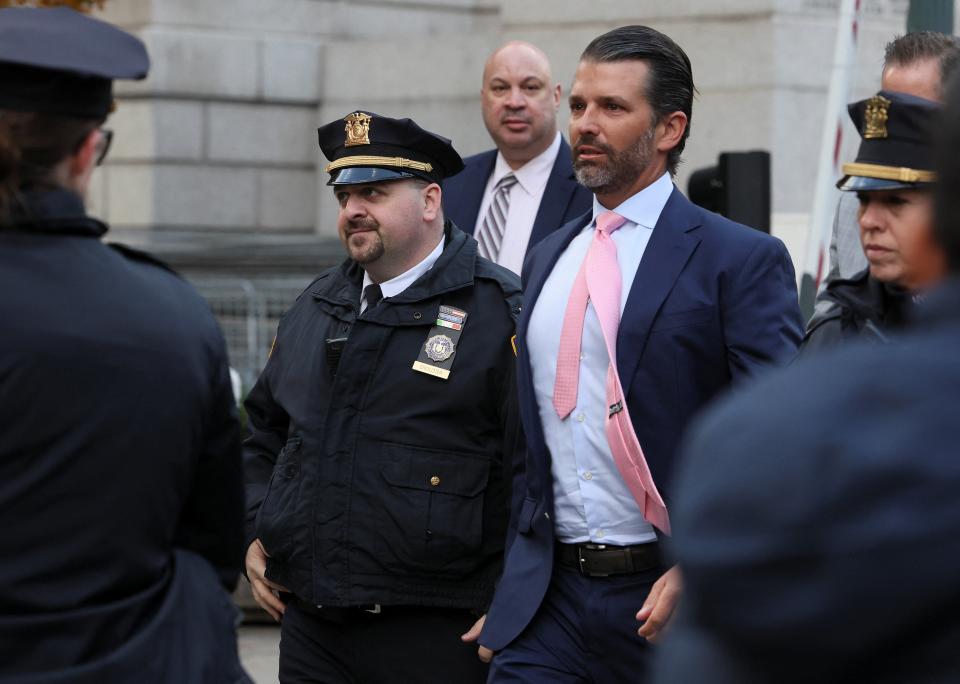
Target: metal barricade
248, 312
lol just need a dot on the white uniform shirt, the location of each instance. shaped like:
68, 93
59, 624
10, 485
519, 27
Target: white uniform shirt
395, 286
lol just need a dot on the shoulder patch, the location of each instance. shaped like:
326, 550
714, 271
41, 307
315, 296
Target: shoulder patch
138, 255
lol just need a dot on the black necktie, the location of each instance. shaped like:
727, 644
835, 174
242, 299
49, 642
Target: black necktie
373, 294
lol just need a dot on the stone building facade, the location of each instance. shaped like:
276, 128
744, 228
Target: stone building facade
216, 150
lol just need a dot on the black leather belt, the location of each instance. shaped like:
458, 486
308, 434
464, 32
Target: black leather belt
339, 613
603, 560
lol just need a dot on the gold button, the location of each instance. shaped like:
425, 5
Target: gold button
434, 480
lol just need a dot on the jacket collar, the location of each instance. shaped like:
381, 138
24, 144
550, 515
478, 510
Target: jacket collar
865, 298
941, 306
54, 210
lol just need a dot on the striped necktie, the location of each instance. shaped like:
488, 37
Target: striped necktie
494, 224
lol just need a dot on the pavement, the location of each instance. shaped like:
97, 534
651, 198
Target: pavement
259, 652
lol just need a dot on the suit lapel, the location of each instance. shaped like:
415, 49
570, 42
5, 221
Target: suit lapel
540, 268
557, 196
474, 186
668, 251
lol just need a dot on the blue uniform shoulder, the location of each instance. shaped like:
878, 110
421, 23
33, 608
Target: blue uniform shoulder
505, 279
141, 257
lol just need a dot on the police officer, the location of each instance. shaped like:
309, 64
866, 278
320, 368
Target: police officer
383, 428
893, 179
120, 477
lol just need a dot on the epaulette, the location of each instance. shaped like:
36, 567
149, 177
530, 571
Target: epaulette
508, 281
138, 255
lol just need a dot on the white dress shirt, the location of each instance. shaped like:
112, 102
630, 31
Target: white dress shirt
591, 500
525, 199
394, 286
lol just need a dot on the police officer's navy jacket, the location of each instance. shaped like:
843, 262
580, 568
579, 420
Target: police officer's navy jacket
379, 483
120, 487
862, 308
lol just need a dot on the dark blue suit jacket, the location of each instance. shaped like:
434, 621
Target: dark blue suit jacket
712, 302
563, 198
820, 508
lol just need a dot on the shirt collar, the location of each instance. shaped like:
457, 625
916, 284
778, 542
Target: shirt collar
645, 207
395, 286
533, 175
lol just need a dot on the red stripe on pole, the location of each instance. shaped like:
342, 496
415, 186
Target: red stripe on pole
836, 145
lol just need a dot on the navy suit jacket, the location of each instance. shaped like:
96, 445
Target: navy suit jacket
563, 198
712, 302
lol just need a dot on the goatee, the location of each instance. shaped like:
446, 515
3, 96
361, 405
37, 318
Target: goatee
621, 168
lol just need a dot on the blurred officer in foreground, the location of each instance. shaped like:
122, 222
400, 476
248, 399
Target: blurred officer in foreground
818, 522
120, 482
893, 181
382, 429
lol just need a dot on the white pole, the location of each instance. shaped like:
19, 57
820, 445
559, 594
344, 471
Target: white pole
826, 196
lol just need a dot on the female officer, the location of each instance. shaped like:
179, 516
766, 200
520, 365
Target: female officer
120, 486
893, 179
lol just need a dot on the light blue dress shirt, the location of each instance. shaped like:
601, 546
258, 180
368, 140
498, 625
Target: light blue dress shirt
591, 500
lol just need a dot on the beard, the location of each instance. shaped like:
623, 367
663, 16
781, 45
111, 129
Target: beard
367, 246
621, 168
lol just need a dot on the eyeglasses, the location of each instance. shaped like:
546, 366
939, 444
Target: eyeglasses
103, 146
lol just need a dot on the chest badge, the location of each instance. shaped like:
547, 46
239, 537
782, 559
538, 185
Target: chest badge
439, 348
437, 353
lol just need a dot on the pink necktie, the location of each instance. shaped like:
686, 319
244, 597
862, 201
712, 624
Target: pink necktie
599, 281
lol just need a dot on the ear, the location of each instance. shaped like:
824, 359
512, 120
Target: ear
431, 202
670, 130
557, 94
84, 159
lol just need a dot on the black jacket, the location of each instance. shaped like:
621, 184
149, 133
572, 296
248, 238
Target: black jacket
863, 308
119, 461
382, 484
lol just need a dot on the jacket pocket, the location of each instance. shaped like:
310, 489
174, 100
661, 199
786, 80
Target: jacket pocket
275, 517
667, 320
425, 510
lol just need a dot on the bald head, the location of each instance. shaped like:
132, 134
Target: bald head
520, 101
519, 51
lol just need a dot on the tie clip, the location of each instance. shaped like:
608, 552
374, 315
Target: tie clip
615, 409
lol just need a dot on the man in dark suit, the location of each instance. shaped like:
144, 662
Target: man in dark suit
702, 302
823, 543
512, 197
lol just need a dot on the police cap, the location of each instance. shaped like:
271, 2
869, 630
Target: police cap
896, 149
364, 147
59, 61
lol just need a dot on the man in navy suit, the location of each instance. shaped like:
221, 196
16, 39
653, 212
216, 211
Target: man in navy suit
704, 302
512, 197
822, 544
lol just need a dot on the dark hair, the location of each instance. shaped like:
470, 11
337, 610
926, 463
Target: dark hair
31, 146
947, 189
670, 86
920, 46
